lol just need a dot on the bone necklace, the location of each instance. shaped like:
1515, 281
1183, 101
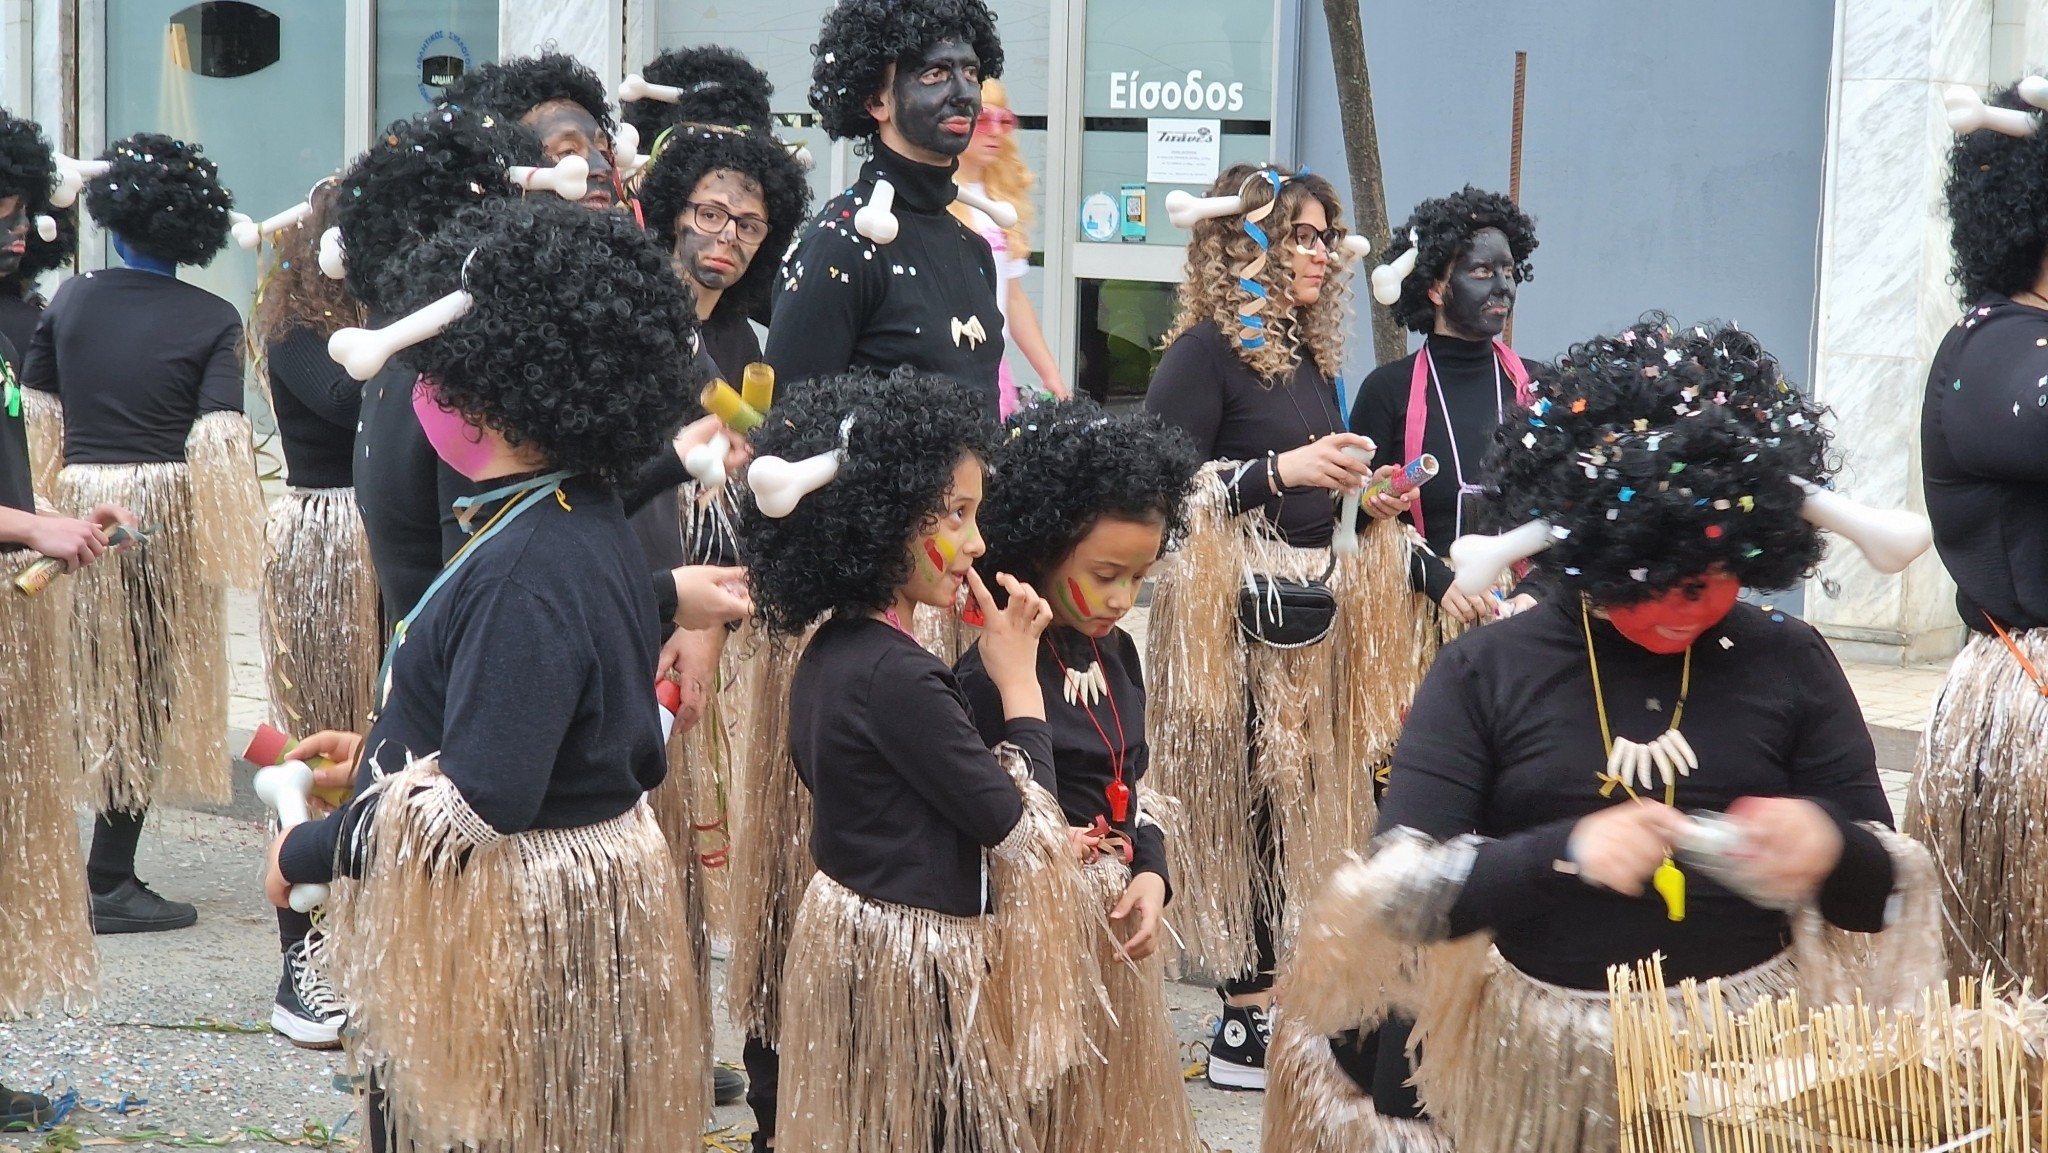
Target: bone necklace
1631, 764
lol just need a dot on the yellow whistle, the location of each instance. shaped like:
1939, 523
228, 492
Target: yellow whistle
1670, 885
724, 402
757, 386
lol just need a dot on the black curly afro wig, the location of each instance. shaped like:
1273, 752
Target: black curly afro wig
1446, 225
862, 38
719, 85
1659, 453
1998, 207
163, 197
845, 547
694, 150
517, 86
1066, 467
579, 343
417, 175
28, 169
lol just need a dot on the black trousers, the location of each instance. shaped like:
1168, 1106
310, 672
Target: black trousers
111, 860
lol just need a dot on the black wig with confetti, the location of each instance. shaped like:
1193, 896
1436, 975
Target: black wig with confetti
1998, 206
417, 175
163, 197
1445, 226
846, 547
521, 84
28, 169
1659, 453
719, 85
693, 151
862, 38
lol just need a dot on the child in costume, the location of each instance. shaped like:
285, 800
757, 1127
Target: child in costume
149, 371
48, 236
513, 947
1083, 505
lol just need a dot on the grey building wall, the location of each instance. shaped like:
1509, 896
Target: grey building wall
1672, 156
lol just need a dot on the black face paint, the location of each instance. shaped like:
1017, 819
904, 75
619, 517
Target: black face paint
1480, 292
935, 97
718, 262
566, 127
13, 235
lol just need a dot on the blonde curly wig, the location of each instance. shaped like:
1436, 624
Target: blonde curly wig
1219, 249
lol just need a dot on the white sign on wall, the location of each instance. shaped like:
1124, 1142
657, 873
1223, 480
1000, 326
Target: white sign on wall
1183, 151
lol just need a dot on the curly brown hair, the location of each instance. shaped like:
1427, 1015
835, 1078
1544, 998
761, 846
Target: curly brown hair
294, 292
1218, 248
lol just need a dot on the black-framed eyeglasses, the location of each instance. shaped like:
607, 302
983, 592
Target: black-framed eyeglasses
1307, 236
711, 220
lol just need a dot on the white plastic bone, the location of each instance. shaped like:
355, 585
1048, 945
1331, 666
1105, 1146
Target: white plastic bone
569, 178
1356, 247
249, 234
333, 261
363, 351
1346, 541
802, 155
46, 227
636, 87
876, 219
626, 151
1001, 211
1388, 278
71, 177
1185, 209
1478, 560
706, 462
779, 484
2034, 90
285, 788
1967, 113
1890, 539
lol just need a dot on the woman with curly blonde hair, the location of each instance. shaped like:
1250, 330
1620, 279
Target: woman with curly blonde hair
1275, 776
993, 168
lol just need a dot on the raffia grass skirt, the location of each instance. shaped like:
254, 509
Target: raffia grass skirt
519, 992
1313, 1106
321, 631
884, 1045
771, 855
1132, 1097
148, 647
1979, 802
46, 948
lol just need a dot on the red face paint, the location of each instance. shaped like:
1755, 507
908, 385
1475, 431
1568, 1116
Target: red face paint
932, 554
1673, 621
1080, 599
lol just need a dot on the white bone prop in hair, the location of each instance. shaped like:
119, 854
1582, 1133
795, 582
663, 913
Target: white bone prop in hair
802, 155
568, 178
1346, 541
1967, 113
363, 351
1479, 559
46, 227
779, 484
1388, 278
2034, 90
71, 177
636, 87
626, 155
333, 261
1185, 210
284, 788
1355, 247
876, 219
706, 462
1890, 539
249, 234
1002, 212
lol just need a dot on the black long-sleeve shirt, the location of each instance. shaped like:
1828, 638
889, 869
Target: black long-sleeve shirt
1081, 754
1478, 393
19, 315
137, 358
1204, 388
1504, 741
844, 302
17, 477
317, 404
531, 672
1984, 462
905, 794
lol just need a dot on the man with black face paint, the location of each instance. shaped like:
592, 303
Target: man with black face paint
559, 98
884, 276
1469, 253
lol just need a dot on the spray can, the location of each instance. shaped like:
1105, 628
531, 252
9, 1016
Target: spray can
36, 576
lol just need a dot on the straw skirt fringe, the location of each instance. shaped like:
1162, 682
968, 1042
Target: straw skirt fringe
43, 906
771, 857
1313, 1106
519, 992
320, 626
1979, 802
43, 413
148, 647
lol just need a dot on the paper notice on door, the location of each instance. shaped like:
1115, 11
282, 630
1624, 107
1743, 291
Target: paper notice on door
1183, 151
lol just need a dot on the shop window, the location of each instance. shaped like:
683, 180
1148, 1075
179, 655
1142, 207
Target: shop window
1121, 326
225, 38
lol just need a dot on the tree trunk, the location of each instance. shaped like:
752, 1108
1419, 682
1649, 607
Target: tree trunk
1362, 154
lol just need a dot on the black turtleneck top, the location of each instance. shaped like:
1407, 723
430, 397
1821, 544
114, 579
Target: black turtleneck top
316, 403
19, 312
1984, 462
1205, 389
1083, 747
1479, 394
843, 301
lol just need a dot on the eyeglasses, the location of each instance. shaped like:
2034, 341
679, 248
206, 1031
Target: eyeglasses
996, 121
1306, 236
711, 220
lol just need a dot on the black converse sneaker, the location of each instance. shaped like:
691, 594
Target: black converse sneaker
1237, 1055
308, 1011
